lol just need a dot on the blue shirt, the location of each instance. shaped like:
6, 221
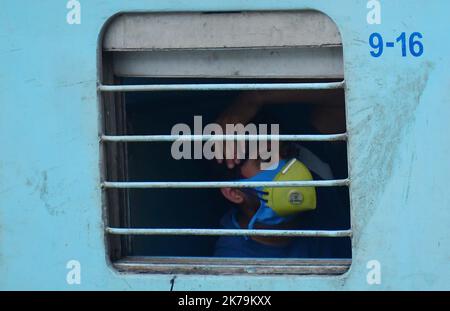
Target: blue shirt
324, 217
245, 247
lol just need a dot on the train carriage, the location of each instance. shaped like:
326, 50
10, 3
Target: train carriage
90, 198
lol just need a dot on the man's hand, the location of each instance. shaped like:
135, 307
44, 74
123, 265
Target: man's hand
242, 111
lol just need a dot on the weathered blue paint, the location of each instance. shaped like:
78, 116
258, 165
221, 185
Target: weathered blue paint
50, 196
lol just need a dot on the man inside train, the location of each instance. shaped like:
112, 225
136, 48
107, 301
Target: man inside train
286, 208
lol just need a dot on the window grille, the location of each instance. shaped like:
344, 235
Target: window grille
218, 265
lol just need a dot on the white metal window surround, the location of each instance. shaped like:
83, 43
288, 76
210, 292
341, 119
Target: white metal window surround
307, 45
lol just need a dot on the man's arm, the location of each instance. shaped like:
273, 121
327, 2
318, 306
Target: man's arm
325, 118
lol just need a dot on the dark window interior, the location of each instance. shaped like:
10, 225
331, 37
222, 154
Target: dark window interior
149, 113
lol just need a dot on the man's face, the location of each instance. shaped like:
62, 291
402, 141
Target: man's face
250, 203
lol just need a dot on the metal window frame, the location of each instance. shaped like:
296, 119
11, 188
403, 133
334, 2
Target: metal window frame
232, 266
221, 266
188, 265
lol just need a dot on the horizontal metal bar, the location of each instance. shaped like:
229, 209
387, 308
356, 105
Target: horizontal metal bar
230, 232
171, 138
221, 87
222, 184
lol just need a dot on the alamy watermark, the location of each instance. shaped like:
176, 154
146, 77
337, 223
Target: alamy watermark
73, 276
374, 14
192, 144
73, 16
374, 275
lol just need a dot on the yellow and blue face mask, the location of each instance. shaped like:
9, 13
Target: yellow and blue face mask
279, 205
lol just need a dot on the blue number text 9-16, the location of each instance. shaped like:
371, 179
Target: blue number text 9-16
413, 44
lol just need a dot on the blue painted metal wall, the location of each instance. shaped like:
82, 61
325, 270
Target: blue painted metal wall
50, 200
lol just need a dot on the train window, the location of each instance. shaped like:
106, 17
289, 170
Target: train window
173, 214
